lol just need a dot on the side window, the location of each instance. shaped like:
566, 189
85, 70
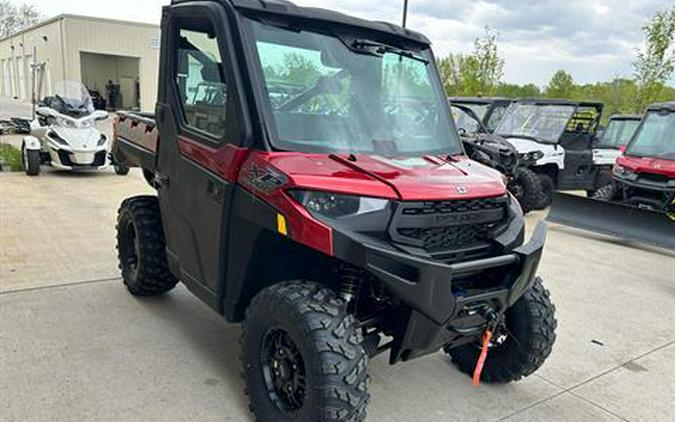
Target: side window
201, 81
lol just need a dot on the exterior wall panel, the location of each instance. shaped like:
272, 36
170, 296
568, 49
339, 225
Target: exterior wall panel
59, 43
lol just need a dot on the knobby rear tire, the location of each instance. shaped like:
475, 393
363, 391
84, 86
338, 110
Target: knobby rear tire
141, 247
121, 170
547, 188
530, 188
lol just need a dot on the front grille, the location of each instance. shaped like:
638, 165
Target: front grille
439, 239
65, 158
451, 228
446, 207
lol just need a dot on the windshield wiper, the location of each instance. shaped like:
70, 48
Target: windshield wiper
379, 50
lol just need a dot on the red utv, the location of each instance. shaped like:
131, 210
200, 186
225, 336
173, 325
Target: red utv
311, 185
639, 203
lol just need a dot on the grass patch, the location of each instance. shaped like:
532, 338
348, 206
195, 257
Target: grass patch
11, 156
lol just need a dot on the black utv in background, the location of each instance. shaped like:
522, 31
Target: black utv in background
489, 110
492, 150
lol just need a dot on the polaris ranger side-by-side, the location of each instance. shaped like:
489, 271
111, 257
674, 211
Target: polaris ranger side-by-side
557, 140
492, 150
639, 203
312, 186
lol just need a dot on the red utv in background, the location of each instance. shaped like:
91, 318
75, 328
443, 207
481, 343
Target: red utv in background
639, 203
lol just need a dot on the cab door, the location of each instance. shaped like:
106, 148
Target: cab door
199, 121
579, 171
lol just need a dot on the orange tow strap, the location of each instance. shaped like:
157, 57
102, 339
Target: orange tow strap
487, 338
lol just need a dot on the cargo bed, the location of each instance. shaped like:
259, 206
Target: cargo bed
135, 139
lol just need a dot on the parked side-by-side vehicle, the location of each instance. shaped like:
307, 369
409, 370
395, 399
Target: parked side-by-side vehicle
617, 134
557, 140
311, 185
489, 110
639, 202
494, 151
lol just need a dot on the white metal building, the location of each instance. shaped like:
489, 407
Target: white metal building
100, 53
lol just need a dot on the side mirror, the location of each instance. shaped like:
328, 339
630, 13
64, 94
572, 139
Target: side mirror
100, 115
622, 149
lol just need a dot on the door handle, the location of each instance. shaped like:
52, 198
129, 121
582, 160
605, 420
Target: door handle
160, 180
213, 191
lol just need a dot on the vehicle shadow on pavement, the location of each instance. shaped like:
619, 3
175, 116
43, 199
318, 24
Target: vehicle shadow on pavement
214, 342
81, 174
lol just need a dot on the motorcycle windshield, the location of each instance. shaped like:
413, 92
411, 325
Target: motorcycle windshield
72, 99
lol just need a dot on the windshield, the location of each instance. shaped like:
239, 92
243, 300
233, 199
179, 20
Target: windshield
479, 109
464, 121
619, 132
541, 122
325, 97
656, 137
71, 98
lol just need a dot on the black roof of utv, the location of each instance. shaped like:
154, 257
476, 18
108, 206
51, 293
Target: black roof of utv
548, 101
668, 106
317, 16
625, 117
479, 100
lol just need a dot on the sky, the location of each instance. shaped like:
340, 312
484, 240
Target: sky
594, 40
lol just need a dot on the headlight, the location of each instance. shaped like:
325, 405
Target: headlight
621, 171
333, 205
86, 124
532, 156
102, 141
67, 123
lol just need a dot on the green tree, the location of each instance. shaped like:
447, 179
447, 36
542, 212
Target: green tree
655, 62
451, 73
14, 18
299, 69
560, 86
485, 65
478, 73
518, 91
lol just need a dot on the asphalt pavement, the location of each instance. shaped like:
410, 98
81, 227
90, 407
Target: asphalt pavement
75, 346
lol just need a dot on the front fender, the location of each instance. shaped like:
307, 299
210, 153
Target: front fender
32, 143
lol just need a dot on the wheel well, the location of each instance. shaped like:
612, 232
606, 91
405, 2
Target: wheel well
149, 177
276, 259
550, 170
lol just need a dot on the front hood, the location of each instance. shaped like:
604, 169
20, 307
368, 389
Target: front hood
407, 179
80, 140
525, 146
648, 165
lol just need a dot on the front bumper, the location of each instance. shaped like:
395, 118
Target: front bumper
72, 160
437, 310
642, 192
